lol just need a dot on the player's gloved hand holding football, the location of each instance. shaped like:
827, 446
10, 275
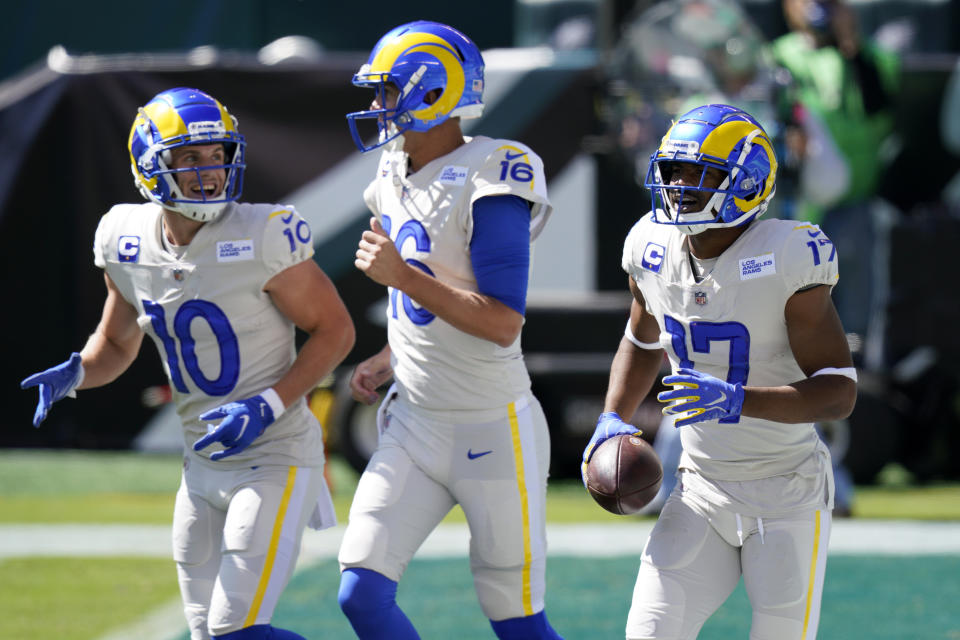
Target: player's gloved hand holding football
698, 397
244, 421
55, 383
609, 424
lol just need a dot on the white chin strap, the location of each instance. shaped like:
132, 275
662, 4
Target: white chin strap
692, 230
193, 209
201, 211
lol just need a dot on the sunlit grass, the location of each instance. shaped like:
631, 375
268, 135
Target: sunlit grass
49, 487
79, 598
934, 502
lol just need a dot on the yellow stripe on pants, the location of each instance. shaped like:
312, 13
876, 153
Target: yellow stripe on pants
272, 550
813, 571
524, 507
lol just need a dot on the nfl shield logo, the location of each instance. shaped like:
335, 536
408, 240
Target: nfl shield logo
700, 298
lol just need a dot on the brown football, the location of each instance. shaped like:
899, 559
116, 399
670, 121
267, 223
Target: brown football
624, 474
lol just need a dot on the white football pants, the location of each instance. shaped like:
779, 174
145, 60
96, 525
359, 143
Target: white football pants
496, 471
695, 557
236, 537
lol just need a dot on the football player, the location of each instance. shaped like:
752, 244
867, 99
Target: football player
219, 285
453, 219
743, 309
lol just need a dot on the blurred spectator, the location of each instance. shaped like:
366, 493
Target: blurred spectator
740, 71
844, 85
680, 54
839, 107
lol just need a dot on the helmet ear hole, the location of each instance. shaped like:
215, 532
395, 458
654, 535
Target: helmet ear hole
748, 188
754, 171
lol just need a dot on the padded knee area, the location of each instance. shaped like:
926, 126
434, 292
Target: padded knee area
369, 600
535, 627
501, 591
649, 618
767, 627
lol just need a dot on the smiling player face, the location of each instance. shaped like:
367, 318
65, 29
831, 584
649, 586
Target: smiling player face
204, 183
686, 174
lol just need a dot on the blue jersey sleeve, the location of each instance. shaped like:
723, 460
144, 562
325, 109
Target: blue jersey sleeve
500, 249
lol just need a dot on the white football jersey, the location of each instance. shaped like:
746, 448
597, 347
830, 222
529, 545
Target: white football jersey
429, 216
731, 326
219, 335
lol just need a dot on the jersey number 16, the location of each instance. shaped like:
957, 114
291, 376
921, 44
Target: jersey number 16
410, 230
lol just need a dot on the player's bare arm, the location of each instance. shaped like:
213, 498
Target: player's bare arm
306, 296
634, 370
474, 313
632, 373
370, 375
115, 343
818, 342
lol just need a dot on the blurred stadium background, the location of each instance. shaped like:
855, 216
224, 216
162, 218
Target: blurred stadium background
569, 78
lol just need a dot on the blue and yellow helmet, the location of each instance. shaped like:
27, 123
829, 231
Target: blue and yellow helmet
417, 58
725, 138
176, 118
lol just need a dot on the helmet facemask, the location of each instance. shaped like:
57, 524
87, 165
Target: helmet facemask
669, 199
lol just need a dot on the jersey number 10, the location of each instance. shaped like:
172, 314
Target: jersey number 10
226, 340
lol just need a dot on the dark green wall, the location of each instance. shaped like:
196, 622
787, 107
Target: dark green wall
31, 27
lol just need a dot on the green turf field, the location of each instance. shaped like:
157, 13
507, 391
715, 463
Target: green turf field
866, 596
79, 598
39, 486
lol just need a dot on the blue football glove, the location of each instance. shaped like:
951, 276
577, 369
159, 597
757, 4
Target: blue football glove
608, 425
244, 421
55, 383
699, 397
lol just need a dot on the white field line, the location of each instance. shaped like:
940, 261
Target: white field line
882, 537
166, 622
